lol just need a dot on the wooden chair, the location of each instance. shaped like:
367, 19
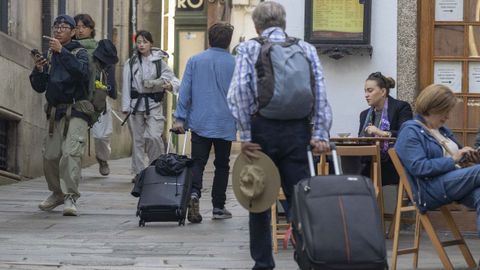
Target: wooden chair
353, 150
423, 221
280, 226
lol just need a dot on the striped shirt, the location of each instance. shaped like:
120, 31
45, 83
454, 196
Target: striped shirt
242, 95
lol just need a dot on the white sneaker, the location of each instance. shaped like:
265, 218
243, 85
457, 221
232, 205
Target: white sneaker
70, 208
51, 202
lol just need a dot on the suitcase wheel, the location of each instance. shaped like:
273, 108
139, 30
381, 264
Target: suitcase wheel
141, 223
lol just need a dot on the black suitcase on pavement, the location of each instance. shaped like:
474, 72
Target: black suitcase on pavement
336, 222
163, 198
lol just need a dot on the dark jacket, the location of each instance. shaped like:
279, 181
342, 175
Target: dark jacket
423, 159
67, 77
398, 112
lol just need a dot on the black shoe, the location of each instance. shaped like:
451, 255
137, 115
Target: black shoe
194, 209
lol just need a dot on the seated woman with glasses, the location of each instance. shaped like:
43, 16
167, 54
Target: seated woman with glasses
433, 159
383, 118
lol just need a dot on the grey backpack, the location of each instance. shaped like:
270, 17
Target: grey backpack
285, 80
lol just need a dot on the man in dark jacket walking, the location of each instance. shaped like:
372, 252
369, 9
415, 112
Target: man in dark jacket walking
62, 73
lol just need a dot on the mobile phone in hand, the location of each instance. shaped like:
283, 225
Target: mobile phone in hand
36, 54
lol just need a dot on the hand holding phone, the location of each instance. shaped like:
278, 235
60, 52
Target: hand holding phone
40, 61
36, 54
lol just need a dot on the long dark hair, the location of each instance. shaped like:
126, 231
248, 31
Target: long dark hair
87, 21
382, 81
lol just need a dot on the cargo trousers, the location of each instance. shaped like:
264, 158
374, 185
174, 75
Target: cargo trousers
146, 131
62, 156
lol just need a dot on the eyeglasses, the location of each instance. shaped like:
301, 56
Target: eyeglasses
60, 28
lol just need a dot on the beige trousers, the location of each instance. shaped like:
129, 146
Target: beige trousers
146, 131
62, 156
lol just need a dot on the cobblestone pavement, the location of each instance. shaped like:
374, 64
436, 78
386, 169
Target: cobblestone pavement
106, 234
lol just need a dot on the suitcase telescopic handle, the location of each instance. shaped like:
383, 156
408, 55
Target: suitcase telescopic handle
336, 161
171, 131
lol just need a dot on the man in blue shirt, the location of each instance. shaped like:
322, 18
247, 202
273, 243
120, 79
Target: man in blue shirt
202, 107
283, 140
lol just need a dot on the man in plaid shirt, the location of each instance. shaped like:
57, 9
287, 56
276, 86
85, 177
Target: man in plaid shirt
284, 141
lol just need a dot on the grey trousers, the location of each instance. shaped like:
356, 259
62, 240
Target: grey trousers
146, 131
62, 156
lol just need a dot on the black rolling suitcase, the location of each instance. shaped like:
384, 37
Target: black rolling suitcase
336, 222
164, 196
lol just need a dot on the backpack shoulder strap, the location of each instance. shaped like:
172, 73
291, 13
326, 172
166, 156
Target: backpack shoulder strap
86, 88
158, 66
261, 40
130, 63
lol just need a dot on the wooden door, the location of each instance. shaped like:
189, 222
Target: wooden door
449, 54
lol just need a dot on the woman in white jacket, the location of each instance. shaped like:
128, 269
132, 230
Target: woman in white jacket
146, 77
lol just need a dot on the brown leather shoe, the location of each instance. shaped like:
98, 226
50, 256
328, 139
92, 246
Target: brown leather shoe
103, 167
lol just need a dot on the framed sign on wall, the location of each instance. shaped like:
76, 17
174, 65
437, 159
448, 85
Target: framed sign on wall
338, 27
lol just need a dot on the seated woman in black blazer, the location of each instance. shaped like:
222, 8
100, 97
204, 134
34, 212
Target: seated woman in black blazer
382, 119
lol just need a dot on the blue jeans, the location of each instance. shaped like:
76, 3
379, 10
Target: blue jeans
285, 142
463, 185
200, 151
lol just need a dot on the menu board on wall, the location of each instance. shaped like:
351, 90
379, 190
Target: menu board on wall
337, 16
449, 74
340, 22
449, 10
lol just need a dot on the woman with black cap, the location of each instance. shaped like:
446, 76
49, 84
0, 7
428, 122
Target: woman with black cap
103, 56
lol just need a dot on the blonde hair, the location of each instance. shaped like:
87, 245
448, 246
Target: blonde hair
435, 99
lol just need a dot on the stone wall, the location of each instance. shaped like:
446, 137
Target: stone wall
407, 50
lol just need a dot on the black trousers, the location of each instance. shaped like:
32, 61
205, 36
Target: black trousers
285, 142
200, 152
